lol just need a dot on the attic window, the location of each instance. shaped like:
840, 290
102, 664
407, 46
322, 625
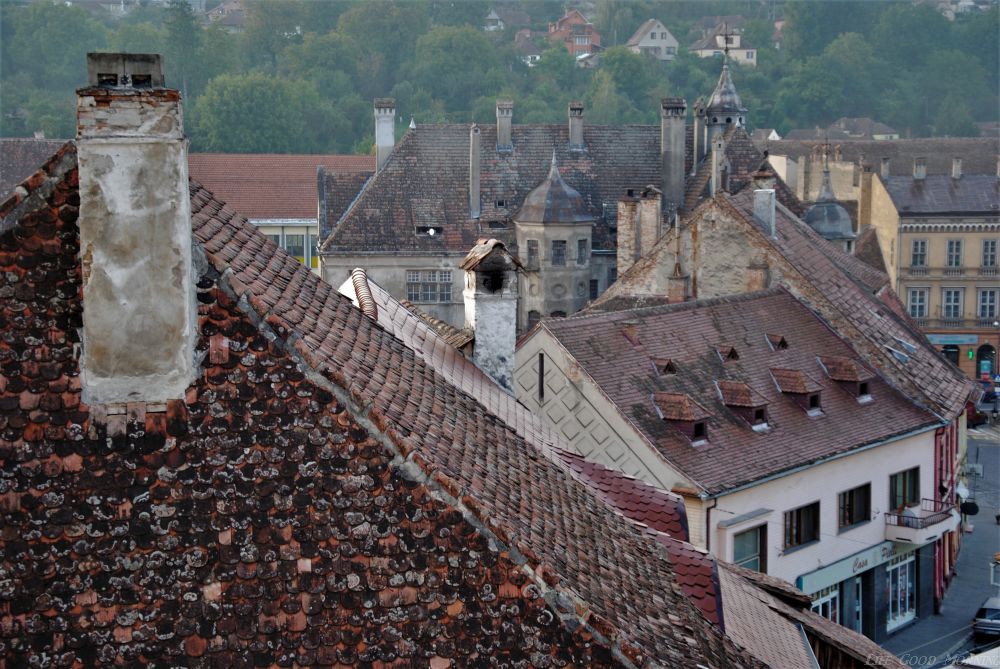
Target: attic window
728, 353
665, 366
501, 204
699, 432
813, 404
777, 342
759, 416
429, 230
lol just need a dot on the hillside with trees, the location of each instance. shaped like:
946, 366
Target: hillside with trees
302, 75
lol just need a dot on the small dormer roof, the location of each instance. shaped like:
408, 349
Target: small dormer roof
553, 201
680, 406
725, 99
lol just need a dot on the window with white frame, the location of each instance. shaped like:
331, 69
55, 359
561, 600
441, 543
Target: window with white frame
750, 549
951, 303
826, 603
989, 253
428, 285
918, 253
581, 39
916, 302
954, 257
901, 577
987, 303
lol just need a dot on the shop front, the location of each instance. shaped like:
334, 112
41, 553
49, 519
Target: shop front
876, 591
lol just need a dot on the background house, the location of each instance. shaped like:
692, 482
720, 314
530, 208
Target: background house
576, 32
653, 39
725, 40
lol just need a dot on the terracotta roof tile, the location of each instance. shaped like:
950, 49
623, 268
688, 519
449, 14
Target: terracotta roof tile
739, 394
795, 381
845, 369
20, 158
682, 333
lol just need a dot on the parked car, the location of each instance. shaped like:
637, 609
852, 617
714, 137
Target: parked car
987, 620
974, 417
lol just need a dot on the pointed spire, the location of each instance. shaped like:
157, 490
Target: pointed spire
413, 123
554, 169
725, 99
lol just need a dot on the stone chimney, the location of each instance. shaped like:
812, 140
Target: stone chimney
673, 115
884, 168
576, 126
919, 169
698, 134
865, 197
491, 308
956, 168
640, 224
474, 199
140, 313
385, 130
763, 209
717, 157
505, 113
678, 284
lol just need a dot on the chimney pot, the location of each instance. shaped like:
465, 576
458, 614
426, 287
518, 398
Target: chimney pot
576, 126
763, 209
505, 113
956, 168
919, 169
385, 130
125, 70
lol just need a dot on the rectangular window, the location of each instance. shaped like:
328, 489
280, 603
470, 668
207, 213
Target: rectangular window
951, 303
855, 506
901, 577
581, 39
541, 377
904, 489
750, 549
954, 258
989, 253
652, 35
749, 55
826, 603
916, 299
559, 252
802, 525
428, 285
532, 254
671, 50
581, 252
594, 289
987, 303
612, 274
275, 238
918, 253
296, 245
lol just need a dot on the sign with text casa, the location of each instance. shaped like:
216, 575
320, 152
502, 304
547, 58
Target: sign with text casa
850, 566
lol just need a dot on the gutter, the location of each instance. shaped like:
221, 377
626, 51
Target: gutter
829, 458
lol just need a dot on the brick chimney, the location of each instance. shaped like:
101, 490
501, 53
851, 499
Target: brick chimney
505, 113
576, 126
385, 130
919, 169
475, 208
673, 115
139, 316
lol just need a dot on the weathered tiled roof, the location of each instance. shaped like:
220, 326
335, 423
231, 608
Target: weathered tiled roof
940, 194
795, 381
686, 333
336, 192
271, 185
979, 155
20, 157
840, 368
849, 294
432, 162
868, 249
739, 394
321, 496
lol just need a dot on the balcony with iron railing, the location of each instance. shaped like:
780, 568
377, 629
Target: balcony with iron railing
975, 323
921, 524
923, 271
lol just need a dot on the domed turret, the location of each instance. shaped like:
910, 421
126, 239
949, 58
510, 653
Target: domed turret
828, 218
725, 108
553, 201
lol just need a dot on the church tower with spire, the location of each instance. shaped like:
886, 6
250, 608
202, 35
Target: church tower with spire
725, 109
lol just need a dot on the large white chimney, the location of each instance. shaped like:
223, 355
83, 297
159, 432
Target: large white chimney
576, 126
673, 116
475, 205
385, 130
919, 169
763, 209
505, 113
139, 315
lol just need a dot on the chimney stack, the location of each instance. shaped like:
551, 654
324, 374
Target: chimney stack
576, 126
640, 224
140, 315
673, 114
474, 204
884, 168
717, 157
505, 113
490, 296
385, 130
956, 168
763, 209
919, 169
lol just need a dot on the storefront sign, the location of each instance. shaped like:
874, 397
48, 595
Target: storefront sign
851, 566
953, 339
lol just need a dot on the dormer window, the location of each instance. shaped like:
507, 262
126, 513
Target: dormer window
759, 416
777, 342
429, 230
745, 402
813, 402
850, 375
863, 389
699, 432
728, 353
501, 204
684, 414
801, 387
664, 366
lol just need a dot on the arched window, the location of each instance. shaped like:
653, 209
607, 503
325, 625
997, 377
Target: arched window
986, 360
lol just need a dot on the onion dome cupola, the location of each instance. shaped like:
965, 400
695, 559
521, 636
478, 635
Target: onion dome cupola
553, 201
828, 217
725, 109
